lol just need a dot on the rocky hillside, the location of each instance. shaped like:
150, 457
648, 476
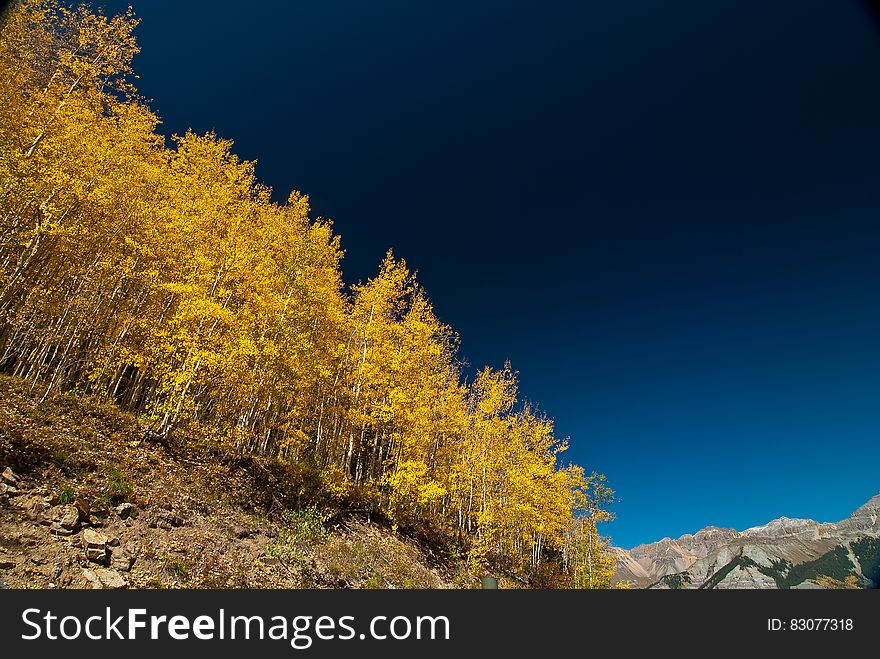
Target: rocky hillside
785, 553
87, 500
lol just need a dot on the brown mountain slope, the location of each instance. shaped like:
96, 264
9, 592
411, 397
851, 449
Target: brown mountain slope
785, 553
86, 501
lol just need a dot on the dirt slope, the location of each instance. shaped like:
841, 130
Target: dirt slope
87, 500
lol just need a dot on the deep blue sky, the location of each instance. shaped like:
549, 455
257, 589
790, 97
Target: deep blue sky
664, 213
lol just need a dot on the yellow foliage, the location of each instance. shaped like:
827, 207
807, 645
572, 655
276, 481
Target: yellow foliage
167, 279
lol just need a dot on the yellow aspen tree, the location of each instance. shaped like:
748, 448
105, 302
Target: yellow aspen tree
167, 279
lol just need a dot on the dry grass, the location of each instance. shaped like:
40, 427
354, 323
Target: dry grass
204, 518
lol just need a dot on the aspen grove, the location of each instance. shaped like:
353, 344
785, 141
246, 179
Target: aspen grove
164, 277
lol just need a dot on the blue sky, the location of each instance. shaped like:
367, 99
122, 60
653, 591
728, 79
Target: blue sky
663, 213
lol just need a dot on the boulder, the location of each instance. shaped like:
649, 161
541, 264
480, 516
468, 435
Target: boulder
83, 507
121, 560
95, 546
37, 506
124, 510
69, 517
9, 477
32, 506
93, 579
110, 579
64, 520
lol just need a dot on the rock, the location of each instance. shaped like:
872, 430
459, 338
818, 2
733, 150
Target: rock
122, 564
57, 529
749, 578
165, 521
9, 476
6, 564
242, 532
112, 541
8, 490
38, 506
49, 516
110, 578
95, 546
93, 579
69, 517
83, 507
26, 540
32, 506
124, 510
758, 557
92, 538
56, 572
173, 520
121, 560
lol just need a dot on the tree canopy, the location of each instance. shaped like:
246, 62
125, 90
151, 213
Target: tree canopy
167, 279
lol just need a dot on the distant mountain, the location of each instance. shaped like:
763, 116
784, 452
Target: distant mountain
785, 553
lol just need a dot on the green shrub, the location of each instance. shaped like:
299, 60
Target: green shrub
306, 525
66, 495
117, 488
175, 568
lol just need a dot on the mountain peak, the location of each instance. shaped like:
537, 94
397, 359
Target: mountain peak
693, 559
872, 504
